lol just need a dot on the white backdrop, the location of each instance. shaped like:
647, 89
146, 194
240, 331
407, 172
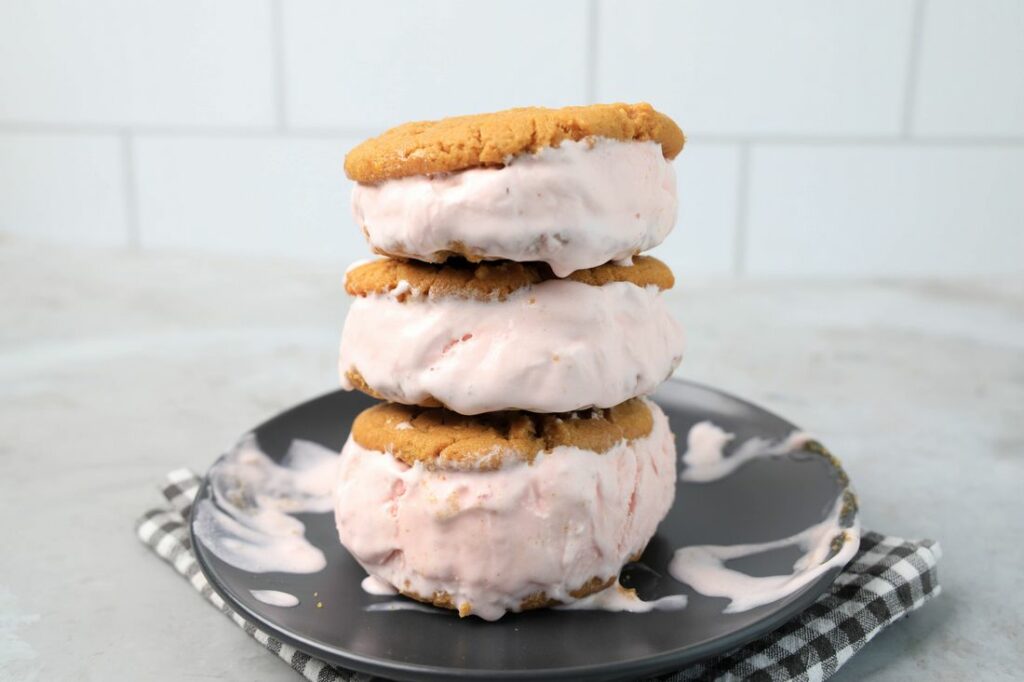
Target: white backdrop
857, 138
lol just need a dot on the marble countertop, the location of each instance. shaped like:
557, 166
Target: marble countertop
116, 367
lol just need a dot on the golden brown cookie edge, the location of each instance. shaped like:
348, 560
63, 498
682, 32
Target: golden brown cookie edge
539, 600
490, 279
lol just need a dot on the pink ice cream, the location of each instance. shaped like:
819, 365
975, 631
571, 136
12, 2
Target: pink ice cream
556, 346
490, 539
576, 206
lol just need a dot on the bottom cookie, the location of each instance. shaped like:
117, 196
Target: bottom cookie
529, 533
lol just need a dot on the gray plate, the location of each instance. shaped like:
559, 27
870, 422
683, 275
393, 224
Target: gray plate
766, 499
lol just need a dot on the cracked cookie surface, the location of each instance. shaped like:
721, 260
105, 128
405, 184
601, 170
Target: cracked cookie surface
487, 140
441, 439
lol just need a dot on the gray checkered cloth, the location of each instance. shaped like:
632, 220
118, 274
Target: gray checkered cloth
887, 579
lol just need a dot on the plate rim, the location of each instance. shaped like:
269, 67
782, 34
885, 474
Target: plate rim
656, 663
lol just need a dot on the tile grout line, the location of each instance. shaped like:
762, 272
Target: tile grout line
131, 199
913, 68
277, 52
590, 76
29, 127
181, 131
739, 254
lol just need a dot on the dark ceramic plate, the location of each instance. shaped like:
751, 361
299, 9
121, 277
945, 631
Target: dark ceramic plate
765, 499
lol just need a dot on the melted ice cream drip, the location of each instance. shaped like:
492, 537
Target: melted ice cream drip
705, 460
702, 567
407, 605
275, 598
377, 587
246, 520
619, 598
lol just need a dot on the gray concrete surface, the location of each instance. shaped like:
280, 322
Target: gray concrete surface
116, 367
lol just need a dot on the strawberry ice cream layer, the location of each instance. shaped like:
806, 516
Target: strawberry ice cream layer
576, 206
556, 346
490, 540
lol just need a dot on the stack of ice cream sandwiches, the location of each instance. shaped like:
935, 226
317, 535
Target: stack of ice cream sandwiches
514, 330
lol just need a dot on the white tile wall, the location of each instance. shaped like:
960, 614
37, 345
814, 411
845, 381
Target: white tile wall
64, 187
704, 241
972, 69
389, 62
136, 62
879, 137
852, 210
264, 196
739, 68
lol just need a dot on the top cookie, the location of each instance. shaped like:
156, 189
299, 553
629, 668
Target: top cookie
488, 140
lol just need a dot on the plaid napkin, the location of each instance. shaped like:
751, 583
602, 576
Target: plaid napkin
888, 578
